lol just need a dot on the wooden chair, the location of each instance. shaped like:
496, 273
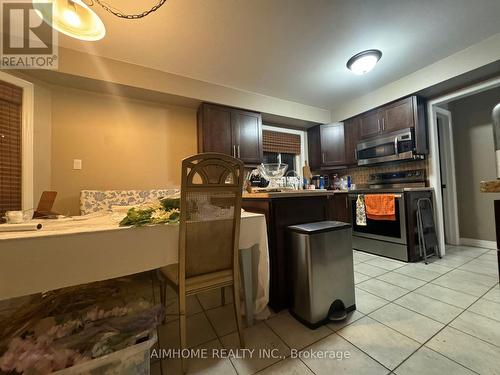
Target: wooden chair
210, 211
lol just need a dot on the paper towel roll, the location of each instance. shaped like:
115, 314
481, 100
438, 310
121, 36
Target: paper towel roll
20, 227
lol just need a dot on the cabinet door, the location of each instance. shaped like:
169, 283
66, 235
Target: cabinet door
369, 124
338, 208
247, 131
332, 144
214, 129
314, 147
398, 116
351, 131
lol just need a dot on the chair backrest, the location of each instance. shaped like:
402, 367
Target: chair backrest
210, 211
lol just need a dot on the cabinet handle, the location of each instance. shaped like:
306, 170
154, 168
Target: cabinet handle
378, 124
234, 151
383, 123
239, 151
323, 157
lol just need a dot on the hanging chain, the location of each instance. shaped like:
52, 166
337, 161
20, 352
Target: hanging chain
119, 14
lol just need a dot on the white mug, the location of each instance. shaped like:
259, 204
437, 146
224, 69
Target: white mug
14, 217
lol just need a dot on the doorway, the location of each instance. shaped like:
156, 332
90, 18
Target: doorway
442, 176
447, 175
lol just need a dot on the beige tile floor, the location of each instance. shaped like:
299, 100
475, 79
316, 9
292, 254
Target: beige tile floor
441, 318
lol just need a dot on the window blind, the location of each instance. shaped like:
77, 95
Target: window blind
10, 147
273, 141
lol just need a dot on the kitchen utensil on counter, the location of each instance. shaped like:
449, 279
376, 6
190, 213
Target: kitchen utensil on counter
293, 180
273, 172
14, 217
306, 171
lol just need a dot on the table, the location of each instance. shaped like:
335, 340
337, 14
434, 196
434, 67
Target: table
70, 252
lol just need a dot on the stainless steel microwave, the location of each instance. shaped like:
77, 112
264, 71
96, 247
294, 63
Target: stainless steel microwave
390, 147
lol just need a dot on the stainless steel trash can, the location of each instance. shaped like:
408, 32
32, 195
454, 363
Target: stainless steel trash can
322, 272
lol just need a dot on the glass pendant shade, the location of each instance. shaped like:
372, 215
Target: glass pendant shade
73, 18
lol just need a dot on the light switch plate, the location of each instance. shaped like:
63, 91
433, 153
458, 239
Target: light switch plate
77, 164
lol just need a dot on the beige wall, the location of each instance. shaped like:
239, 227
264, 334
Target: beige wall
82, 64
42, 140
123, 144
474, 162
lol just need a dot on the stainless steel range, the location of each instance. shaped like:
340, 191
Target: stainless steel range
392, 238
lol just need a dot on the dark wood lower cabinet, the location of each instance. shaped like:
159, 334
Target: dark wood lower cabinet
281, 213
338, 208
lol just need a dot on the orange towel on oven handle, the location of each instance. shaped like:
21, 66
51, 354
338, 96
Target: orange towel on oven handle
380, 207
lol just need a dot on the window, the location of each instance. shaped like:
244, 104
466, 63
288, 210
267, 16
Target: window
10, 147
284, 146
277, 157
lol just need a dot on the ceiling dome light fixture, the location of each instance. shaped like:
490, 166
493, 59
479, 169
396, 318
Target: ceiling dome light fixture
363, 62
76, 19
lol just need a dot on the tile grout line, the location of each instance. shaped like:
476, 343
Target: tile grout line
446, 325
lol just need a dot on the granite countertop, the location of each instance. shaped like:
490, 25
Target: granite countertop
492, 186
321, 192
289, 193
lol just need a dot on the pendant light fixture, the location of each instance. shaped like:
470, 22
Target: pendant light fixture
363, 62
76, 19
73, 18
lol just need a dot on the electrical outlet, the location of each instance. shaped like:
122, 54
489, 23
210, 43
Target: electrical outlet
77, 164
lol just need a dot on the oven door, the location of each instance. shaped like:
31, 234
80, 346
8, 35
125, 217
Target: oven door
393, 146
382, 230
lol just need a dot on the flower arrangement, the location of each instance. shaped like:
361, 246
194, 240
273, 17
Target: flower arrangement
165, 211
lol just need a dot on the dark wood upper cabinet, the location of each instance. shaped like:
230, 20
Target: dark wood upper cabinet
326, 146
230, 131
398, 115
351, 137
214, 129
314, 147
247, 136
403, 114
369, 124
332, 144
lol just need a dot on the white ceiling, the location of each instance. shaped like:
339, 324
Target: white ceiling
293, 49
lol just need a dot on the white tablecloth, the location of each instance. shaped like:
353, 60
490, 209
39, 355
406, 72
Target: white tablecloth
70, 252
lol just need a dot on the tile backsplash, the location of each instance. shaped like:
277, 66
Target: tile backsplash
360, 175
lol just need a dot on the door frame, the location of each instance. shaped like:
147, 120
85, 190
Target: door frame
450, 211
26, 137
434, 162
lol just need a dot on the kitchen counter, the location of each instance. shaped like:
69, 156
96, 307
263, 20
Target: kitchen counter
390, 190
290, 194
323, 192
492, 186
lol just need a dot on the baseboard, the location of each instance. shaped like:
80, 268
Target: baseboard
478, 243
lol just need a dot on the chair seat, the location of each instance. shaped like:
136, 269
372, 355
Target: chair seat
199, 283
